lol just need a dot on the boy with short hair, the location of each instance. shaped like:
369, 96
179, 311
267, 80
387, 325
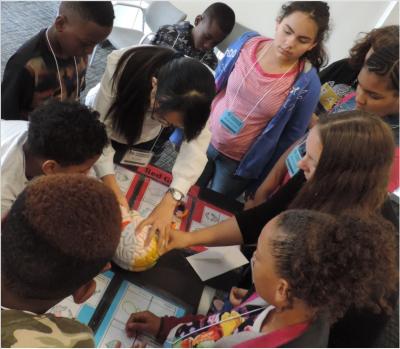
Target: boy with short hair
60, 233
61, 137
53, 63
198, 41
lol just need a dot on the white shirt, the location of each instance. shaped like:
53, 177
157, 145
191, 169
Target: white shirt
13, 180
192, 157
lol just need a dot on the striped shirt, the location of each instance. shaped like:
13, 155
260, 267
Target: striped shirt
253, 88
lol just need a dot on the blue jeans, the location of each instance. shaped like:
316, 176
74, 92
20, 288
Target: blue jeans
219, 175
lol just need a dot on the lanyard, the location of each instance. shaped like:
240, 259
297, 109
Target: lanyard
267, 92
219, 322
58, 70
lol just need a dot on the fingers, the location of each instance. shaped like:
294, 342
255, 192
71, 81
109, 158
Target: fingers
142, 224
137, 322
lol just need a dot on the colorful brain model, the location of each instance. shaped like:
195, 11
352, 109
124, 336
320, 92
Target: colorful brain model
131, 253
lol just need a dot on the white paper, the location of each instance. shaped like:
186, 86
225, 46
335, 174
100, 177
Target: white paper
207, 266
124, 178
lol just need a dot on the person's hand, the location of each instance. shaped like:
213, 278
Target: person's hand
160, 219
258, 199
236, 295
143, 321
175, 239
123, 201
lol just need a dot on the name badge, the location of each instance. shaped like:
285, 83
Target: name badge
231, 122
137, 157
293, 158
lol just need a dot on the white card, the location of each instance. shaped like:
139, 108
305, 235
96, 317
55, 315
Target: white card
216, 261
137, 157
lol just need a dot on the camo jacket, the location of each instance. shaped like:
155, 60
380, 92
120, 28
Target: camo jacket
23, 329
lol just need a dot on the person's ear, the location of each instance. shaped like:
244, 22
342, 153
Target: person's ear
281, 293
154, 82
198, 19
60, 23
50, 167
83, 293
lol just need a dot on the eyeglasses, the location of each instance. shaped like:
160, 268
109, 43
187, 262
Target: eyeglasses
155, 116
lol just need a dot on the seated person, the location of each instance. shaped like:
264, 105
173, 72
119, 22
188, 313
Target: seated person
61, 137
52, 64
60, 233
198, 41
307, 270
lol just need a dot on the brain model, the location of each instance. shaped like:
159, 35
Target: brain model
131, 253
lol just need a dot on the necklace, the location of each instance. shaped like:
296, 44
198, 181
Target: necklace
58, 70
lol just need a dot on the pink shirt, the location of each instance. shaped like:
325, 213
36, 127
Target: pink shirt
253, 88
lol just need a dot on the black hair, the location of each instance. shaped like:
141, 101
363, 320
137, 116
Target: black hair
332, 263
319, 13
222, 14
385, 62
60, 232
99, 12
184, 85
67, 132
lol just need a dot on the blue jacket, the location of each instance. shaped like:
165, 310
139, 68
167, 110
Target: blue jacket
288, 124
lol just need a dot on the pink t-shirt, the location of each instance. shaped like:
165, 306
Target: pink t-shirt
254, 86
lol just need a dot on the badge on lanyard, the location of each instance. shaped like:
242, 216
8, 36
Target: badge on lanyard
231, 122
294, 157
137, 157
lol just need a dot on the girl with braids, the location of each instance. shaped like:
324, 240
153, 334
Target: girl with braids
309, 267
368, 81
143, 90
267, 92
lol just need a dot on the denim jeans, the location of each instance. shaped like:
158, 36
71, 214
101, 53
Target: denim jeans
219, 175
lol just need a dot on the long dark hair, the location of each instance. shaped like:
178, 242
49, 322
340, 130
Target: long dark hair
354, 166
319, 13
184, 85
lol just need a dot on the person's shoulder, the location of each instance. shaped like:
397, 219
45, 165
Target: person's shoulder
31, 49
29, 330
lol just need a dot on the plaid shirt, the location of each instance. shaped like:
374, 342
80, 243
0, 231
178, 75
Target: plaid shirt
179, 36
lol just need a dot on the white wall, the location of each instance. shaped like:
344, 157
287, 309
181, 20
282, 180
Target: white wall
349, 18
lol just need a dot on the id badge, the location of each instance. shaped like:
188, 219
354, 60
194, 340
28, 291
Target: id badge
294, 157
137, 157
328, 97
231, 122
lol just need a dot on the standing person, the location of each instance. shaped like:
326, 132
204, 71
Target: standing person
61, 232
307, 271
143, 90
198, 41
267, 92
376, 91
52, 64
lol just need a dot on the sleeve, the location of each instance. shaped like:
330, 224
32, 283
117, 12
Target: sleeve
298, 122
169, 322
100, 98
157, 39
16, 91
191, 161
251, 222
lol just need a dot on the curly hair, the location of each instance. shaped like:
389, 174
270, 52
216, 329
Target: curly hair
67, 132
318, 11
354, 166
60, 232
375, 39
334, 263
184, 85
99, 12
